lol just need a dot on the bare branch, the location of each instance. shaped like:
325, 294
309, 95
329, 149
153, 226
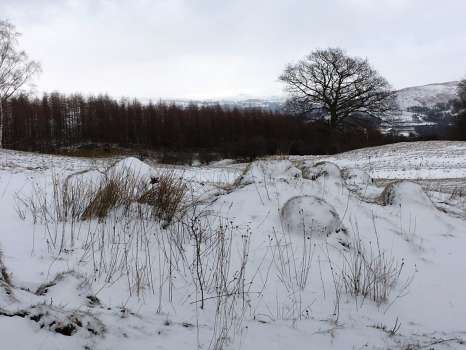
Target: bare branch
337, 84
15, 67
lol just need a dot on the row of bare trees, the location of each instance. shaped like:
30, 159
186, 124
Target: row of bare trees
16, 69
337, 85
58, 121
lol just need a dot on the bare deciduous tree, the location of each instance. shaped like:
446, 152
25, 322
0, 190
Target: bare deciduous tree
15, 67
462, 92
338, 84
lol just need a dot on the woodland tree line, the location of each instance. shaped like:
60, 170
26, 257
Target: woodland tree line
329, 81
57, 121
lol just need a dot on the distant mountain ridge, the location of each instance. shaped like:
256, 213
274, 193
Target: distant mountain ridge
241, 102
427, 95
414, 96
424, 109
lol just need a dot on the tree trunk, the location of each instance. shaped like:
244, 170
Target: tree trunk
333, 119
1, 123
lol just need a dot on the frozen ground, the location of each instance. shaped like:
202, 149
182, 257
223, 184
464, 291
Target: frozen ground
423, 160
334, 252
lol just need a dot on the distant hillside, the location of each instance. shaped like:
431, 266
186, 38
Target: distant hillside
241, 102
423, 109
427, 95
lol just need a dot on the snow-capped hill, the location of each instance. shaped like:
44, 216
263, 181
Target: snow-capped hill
241, 102
423, 109
427, 95
415, 96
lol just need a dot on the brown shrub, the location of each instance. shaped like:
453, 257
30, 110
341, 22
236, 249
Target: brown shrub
165, 196
107, 197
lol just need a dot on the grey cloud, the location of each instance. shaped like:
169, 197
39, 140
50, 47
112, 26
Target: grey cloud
207, 48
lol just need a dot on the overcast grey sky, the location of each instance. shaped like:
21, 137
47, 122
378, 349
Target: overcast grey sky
215, 48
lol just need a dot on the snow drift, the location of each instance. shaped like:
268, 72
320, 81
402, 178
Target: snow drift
310, 216
405, 194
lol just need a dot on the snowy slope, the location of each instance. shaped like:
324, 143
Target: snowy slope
427, 95
422, 108
415, 96
406, 160
404, 121
290, 230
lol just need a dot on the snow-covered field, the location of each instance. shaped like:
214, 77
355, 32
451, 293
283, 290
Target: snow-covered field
360, 250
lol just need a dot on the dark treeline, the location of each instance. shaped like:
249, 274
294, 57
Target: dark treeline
57, 122
458, 131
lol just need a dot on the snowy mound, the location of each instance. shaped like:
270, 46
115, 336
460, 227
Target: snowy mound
290, 273
67, 288
356, 177
357, 180
404, 193
309, 215
132, 166
261, 171
322, 169
361, 183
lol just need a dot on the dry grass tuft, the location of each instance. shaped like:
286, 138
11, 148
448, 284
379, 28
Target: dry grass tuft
77, 198
108, 196
370, 273
165, 196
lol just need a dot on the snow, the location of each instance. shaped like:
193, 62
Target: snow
310, 216
406, 160
292, 225
426, 95
133, 165
406, 121
405, 193
325, 169
262, 171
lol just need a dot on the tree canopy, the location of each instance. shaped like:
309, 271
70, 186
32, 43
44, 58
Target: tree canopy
337, 84
16, 69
